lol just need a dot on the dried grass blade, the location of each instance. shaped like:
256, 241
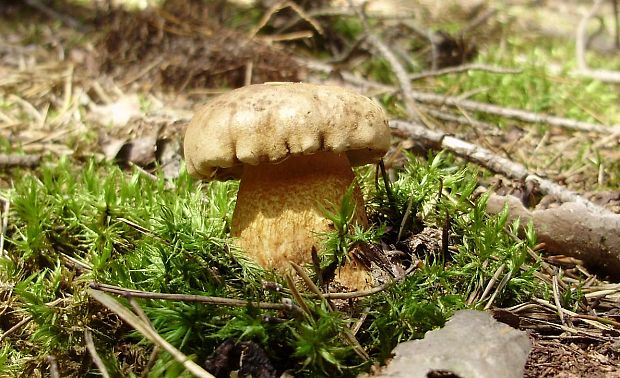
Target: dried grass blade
148, 332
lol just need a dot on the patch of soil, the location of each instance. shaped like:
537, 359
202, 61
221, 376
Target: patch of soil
564, 358
182, 46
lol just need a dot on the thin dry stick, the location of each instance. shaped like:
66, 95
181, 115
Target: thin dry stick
313, 288
51, 360
567, 329
27, 319
90, 345
140, 229
142, 315
68, 91
148, 68
464, 68
500, 287
151, 363
219, 301
492, 282
536, 256
358, 324
287, 37
249, 68
72, 261
16, 327
348, 335
297, 295
445, 116
616, 22
147, 331
401, 75
556, 298
474, 293
403, 223
599, 319
518, 114
580, 50
140, 312
497, 164
550, 306
4, 224
279, 6
374, 290
28, 108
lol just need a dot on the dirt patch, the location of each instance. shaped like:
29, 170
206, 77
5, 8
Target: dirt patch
180, 46
558, 358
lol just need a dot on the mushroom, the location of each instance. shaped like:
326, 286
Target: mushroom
292, 145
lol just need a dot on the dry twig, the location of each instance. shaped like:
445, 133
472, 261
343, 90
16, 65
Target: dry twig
218, 301
401, 75
22, 161
90, 345
51, 360
498, 164
464, 68
347, 334
374, 290
492, 282
27, 320
4, 223
275, 8
16, 327
521, 115
499, 289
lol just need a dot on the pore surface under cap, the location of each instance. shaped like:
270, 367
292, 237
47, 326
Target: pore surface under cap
265, 123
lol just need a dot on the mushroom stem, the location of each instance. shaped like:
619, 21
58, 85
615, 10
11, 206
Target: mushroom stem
279, 214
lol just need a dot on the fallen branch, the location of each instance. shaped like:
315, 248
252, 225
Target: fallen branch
439, 140
23, 161
571, 230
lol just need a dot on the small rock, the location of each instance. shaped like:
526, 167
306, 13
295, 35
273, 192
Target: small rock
471, 345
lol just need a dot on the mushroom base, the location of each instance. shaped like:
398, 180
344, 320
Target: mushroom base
279, 216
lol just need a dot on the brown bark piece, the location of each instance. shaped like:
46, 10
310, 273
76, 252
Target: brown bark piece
572, 230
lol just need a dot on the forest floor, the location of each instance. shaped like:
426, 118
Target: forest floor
109, 91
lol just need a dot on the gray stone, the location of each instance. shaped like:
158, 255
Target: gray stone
471, 345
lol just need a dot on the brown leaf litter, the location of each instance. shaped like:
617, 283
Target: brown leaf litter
180, 46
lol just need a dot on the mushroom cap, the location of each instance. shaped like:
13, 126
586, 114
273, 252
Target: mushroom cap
266, 123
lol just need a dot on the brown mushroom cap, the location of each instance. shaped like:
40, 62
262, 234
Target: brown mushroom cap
269, 122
